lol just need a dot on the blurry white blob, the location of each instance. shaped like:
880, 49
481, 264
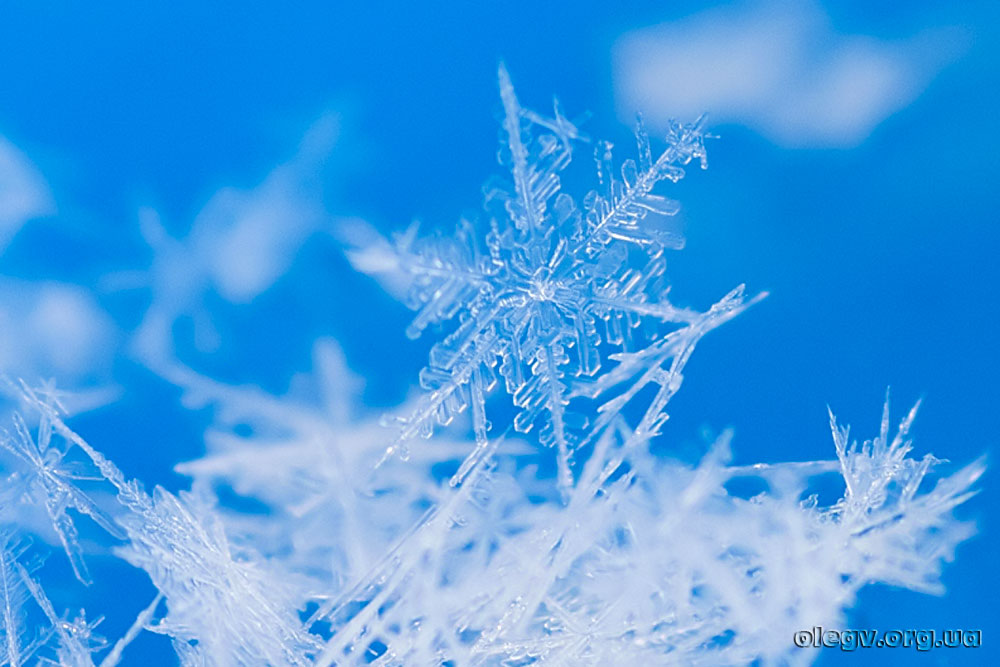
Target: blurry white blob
779, 68
240, 243
23, 192
52, 330
371, 253
48, 330
250, 238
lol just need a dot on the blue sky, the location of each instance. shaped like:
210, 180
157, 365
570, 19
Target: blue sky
854, 179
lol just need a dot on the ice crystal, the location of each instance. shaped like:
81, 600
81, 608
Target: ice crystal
31, 630
309, 461
554, 283
51, 480
661, 565
180, 543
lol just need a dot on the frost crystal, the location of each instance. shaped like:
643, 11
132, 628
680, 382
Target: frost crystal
660, 565
217, 602
51, 480
554, 283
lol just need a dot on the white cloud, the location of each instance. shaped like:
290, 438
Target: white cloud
779, 68
23, 192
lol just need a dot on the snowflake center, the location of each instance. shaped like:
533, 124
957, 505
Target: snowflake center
542, 289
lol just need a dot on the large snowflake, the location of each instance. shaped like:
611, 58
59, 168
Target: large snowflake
549, 282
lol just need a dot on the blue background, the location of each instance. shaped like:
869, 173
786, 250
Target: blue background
881, 260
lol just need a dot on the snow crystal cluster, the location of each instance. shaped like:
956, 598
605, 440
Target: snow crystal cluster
404, 543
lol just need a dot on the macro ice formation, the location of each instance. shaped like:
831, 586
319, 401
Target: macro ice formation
552, 284
360, 550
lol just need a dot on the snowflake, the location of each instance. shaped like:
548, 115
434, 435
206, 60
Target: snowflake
555, 282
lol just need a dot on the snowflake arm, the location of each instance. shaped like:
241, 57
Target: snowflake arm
142, 620
614, 212
535, 181
52, 481
77, 642
12, 597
